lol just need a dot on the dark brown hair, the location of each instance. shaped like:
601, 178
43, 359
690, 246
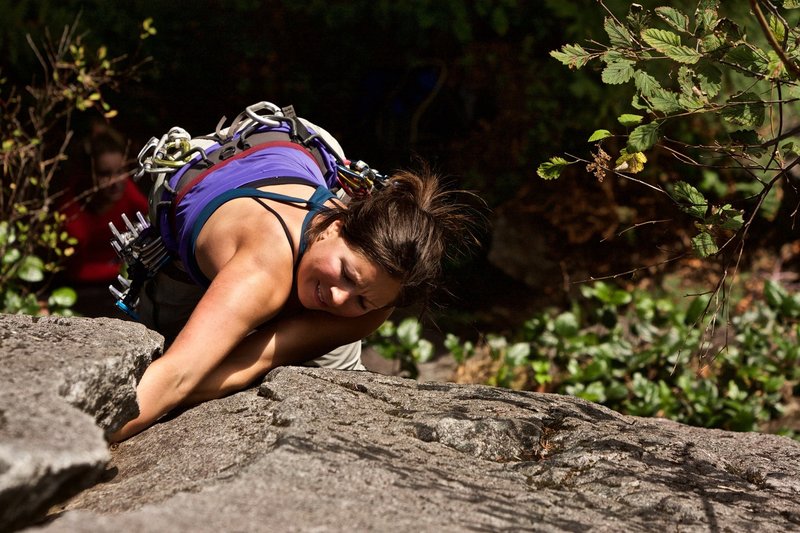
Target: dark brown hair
408, 227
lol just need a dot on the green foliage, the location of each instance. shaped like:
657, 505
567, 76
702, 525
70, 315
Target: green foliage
632, 351
35, 131
403, 343
701, 67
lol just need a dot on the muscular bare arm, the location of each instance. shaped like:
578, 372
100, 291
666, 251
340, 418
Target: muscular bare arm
241, 296
294, 340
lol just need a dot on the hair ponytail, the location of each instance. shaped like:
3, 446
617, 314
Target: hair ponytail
409, 228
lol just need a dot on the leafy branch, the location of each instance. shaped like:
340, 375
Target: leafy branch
700, 68
35, 131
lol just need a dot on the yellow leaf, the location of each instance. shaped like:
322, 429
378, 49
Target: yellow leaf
632, 163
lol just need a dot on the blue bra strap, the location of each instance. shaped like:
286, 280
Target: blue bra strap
315, 204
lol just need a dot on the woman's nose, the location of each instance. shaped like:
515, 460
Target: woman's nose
339, 296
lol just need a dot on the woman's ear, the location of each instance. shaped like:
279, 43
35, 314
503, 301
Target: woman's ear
333, 230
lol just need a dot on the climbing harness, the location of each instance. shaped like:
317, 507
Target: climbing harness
176, 162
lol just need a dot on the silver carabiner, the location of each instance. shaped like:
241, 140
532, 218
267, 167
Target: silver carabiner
253, 113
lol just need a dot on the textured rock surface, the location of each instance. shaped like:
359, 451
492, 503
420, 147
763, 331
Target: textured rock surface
323, 450
64, 381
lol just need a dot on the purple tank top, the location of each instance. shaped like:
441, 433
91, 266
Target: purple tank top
259, 166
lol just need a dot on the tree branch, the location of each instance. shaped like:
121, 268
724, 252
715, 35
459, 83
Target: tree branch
762, 21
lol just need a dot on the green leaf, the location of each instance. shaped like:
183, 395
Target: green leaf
703, 245
517, 354
669, 44
690, 199
550, 170
566, 325
789, 149
423, 351
691, 102
710, 79
776, 28
753, 61
646, 83
643, 137
408, 332
661, 39
618, 72
726, 217
791, 4
696, 310
63, 297
674, 18
629, 120
12, 256
598, 135
31, 269
666, 102
745, 111
610, 295
572, 55
774, 294
712, 42
682, 54
706, 15
617, 34
637, 18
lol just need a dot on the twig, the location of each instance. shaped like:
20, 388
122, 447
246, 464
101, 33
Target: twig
762, 21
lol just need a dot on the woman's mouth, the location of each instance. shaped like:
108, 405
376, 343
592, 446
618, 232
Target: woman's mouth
319, 296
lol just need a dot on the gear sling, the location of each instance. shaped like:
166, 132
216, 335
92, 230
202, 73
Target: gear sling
178, 163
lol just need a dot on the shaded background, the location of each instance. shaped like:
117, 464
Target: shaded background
467, 86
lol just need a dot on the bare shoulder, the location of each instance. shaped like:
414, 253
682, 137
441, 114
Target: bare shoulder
244, 229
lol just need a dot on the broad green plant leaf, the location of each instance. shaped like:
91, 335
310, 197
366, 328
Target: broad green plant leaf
12, 256
710, 79
629, 120
518, 353
690, 199
753, 63
674, 18
617, 34
423, 351
408, 332
610, 295
618, 72
63, 297
666, 102
745, 111
566, 325
598, 135
726, 217
669, 44
703, 244
774, 294
572, 55
31, 269
647, 84
550, 170
643, 137
791, 4
696, 309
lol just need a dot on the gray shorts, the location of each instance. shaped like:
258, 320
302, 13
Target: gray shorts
166, 304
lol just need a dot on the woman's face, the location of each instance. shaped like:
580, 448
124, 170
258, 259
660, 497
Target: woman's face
334, 278
108, 167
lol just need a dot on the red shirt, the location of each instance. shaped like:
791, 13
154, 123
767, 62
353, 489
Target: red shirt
94, 261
